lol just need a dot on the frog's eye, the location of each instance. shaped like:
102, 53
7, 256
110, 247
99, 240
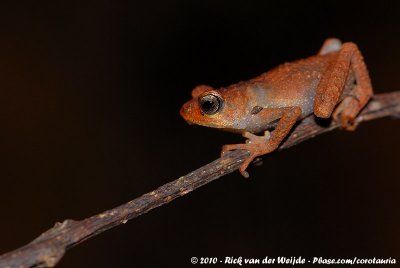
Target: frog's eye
210, 103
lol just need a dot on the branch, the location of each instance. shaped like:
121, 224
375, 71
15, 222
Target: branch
49, 247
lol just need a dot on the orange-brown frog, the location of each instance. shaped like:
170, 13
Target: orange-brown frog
335, 82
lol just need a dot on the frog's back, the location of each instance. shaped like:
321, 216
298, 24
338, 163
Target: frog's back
291, 84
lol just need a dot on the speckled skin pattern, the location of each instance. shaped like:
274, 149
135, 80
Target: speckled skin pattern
335, 82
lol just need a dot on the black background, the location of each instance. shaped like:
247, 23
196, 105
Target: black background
89, 120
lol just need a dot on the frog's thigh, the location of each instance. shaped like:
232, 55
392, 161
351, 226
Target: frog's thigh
334, 79
330, 45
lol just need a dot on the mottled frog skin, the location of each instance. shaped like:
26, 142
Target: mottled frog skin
335, 82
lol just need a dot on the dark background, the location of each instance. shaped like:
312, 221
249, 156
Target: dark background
89, 120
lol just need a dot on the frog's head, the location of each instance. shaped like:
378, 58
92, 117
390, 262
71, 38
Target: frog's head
222, 108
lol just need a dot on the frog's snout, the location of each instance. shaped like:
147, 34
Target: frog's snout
186, 111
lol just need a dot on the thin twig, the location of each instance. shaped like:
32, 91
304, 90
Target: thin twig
49, 247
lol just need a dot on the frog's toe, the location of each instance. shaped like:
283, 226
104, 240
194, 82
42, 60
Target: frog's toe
251, 138
245, 165
244, 173
249, 135
346, 112
347, 122
231, 147
267, 134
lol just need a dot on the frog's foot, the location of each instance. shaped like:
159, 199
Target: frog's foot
254, 139
346, 112
253, 153
255, 145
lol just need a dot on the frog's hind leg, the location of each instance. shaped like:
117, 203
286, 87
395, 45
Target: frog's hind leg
330, 45
333, 82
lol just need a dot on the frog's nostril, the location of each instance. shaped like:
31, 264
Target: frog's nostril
185, 110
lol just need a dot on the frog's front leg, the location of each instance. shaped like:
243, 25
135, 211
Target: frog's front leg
260, 145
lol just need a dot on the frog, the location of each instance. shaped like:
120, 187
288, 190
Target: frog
333, 84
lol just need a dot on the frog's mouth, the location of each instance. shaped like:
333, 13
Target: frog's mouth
203, 124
